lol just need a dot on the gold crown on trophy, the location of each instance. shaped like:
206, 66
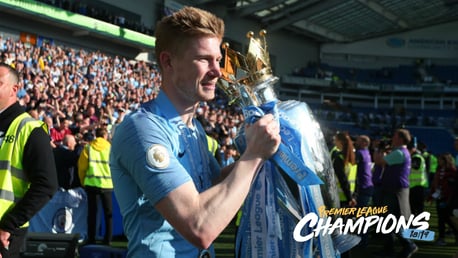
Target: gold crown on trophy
255, 64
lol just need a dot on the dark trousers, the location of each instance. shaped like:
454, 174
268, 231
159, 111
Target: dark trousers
443, 217
363, 199
398, 204
105, 196
17, 239
417, 199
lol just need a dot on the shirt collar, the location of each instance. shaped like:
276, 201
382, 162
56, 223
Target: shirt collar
167, 109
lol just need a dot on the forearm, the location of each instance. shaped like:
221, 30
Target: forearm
201, 217
225, 172
225, 199
378, 159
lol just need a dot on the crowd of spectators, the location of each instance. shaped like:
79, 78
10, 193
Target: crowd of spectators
76, 91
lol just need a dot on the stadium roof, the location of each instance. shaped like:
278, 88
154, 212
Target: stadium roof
341, 21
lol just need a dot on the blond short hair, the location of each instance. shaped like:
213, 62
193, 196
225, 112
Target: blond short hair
174, 32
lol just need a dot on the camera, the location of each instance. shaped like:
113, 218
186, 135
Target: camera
384, 144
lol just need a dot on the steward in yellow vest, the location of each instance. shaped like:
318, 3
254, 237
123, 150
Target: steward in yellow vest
28, 176
430, 161
95, 175
350, 173
418, 181
418, 174
345, 168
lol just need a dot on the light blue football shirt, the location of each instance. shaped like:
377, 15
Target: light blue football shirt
153, 153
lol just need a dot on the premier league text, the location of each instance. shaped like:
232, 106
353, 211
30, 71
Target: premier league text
356, 220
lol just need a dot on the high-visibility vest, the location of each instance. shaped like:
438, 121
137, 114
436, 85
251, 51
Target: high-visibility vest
333, 150
13, 181
350, 173
430, 161
98, 173
417, 176
212, 144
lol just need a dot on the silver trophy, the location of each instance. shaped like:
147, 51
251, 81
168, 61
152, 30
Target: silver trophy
256, 87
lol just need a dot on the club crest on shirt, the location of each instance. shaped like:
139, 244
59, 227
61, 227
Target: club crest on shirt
157, 156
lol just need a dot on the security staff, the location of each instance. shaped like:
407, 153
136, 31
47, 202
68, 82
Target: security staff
350, 172
345, 168
343, 161
95, 175
418, 181
430, 161
28, 177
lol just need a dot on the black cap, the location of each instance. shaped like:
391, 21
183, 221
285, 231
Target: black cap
88, 136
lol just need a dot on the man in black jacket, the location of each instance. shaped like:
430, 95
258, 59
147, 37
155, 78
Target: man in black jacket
66, 159
28, 177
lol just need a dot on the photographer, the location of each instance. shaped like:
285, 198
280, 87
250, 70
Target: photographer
394, 187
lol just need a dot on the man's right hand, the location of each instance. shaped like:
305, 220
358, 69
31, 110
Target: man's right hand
4, 239
263, 137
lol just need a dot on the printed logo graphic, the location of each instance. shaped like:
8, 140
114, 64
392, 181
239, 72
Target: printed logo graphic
396, 42
329, 221
157, 156
62, 221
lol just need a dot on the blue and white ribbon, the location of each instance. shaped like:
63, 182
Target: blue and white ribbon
266, 225
288, 156
271, 211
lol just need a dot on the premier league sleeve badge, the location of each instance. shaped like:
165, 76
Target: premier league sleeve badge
157, 156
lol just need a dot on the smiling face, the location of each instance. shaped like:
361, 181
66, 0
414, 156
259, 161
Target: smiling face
190, 75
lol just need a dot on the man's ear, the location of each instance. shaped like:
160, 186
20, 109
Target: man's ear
15, 88
165, 59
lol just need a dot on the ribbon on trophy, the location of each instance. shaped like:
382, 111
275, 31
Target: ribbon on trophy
265, 223
287, 155
265, 228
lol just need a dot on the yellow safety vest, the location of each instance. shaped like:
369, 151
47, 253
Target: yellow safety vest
333, 150
432, 161
98, 172
350, 173
212, 144
13, 181
418, 177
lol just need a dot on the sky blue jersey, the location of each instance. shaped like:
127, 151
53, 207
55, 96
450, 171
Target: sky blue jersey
152, 154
